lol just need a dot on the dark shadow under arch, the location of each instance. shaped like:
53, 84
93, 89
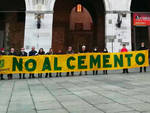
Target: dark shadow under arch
140, 6
13, 22
61, 15
140, 33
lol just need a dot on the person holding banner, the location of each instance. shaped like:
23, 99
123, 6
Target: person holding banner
83, 51
95, 72
49, 53
70, 51
12, 52
2, 52
22, 53
149, 56
41, 52
58, 74
32, 53
142, 48
124, 49
105, 51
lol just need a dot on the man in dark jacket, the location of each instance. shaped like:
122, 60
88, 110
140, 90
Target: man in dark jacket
22, 53
12, 52
2, 52
142, 48
70, 51
32, 53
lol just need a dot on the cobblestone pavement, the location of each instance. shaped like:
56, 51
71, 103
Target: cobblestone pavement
115, 93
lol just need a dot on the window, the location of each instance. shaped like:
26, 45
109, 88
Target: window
79, 8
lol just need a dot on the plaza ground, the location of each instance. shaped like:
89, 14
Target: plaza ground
115, 93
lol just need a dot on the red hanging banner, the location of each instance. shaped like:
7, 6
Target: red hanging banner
141, 19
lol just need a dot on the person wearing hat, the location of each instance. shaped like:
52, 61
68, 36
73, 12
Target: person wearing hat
22, 53
83, 50
12, 52
2, 52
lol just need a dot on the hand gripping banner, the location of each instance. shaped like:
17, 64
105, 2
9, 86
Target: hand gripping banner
73, 62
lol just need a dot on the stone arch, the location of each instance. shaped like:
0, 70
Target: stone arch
105, 2
97, 12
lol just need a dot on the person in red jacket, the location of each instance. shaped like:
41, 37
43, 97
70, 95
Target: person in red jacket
124, 49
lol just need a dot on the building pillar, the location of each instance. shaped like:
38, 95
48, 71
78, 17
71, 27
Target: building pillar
115, 36
42, 37
148, 37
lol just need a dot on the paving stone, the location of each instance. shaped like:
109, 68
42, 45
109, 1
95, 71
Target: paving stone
19, 106
47, 105
115, 93
53, 111
113, 108
22, 111
129, 112
141, 107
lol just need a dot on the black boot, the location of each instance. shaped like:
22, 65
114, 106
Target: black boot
20, 76
57, 74
60, 74
80, 73
96, 72
24, 76
1, 75
140, 69
67, 74
93, 72
85, 72
33, 76
46, 75
50, 75
72, 73
144, 69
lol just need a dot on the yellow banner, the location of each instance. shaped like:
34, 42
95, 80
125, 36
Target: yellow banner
73, 62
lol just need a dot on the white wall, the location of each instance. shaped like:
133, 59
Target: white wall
119, 35
40, 38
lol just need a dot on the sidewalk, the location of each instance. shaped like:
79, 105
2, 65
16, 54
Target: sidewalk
115, 93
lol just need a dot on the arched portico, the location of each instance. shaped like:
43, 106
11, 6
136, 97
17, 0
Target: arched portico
113, 39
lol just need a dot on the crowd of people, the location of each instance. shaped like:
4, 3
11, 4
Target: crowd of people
70, 50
